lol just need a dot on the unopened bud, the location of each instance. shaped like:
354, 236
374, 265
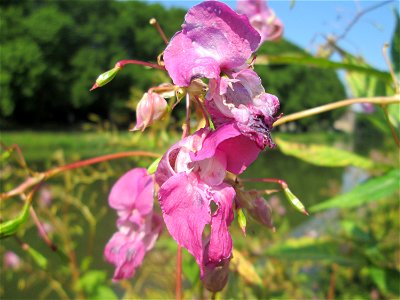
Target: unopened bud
242, 220
296, 203
150, 108
216, 275
262, 212
256, 206
106, 77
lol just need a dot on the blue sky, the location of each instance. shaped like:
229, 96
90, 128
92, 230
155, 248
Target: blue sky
308, 21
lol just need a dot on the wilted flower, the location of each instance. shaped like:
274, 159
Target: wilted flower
12, 260
262, 18
138, 227
150, 108
239, 97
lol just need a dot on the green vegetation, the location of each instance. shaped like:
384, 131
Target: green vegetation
52, 52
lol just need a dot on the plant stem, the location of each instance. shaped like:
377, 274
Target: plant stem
281, 182
122, 64
335, 105
392, 130
42, 231
178, 286
39, 177
154, 22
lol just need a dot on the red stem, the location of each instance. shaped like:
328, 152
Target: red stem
281, 182
99, 159
41, 229
32, 181
122, 64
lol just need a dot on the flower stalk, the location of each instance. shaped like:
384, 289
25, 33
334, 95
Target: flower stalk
331, 106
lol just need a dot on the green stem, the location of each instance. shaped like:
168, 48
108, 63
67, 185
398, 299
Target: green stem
335, 105
392, 130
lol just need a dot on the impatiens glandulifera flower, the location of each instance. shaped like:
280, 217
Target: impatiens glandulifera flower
213, 39
262, 18
150, 108
138, 227
239, 97
191, 178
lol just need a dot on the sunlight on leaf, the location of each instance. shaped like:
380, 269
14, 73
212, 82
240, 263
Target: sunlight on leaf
374, 189
322, 155
245, 268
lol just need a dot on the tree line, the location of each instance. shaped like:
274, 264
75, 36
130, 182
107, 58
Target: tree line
52, 51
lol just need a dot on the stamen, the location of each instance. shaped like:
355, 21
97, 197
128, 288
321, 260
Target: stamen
154, 22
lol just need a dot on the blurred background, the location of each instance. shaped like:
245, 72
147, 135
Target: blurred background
51, 54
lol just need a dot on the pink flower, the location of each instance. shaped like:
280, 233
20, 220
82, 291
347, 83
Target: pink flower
213, 39
150, 108
12, 260
215, 274
191, 175
138, 227
239, 97
215, 42
262, 18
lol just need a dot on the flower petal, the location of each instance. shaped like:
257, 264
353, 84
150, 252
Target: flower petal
214, 38
220, 247
186, 211
240, 151
133, 191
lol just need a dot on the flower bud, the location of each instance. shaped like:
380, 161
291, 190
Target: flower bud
296, 203
105, 78
256, 206
216, 276
149, 109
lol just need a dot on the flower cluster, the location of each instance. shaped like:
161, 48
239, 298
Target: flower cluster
138, 227
209, 60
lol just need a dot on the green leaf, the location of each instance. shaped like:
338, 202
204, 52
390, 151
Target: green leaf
319, 62
154, 165
379, 277
10, 227
393, 111
395, 46
354, 232
93, 283
39, 259
362, 84
307, 248
322, 155
374, 189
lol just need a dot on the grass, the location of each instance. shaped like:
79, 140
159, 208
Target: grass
42, 146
